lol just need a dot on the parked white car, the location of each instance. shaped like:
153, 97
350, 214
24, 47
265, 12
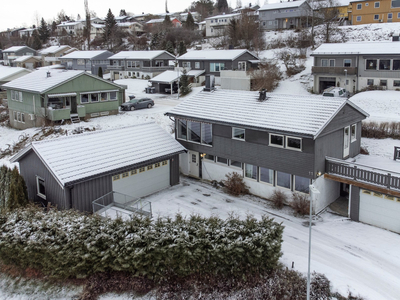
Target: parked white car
335, 92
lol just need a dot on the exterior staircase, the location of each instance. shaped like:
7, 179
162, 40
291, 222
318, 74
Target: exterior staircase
75, 119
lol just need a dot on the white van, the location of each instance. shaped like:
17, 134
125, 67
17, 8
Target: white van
335, 92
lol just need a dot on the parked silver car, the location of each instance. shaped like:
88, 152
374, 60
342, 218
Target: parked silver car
137, 104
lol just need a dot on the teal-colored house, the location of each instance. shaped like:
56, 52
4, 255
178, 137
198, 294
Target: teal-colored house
55, 95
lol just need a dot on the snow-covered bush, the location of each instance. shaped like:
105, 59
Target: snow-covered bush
70, 244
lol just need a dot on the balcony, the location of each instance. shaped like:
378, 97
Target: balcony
63, 113
334, 70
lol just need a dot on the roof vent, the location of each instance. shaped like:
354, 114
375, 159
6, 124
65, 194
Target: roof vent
48, 74
263, 95
210, 83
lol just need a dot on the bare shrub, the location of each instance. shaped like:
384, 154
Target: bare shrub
364, 151
300, 204
380, 130
293, 70
278, 199
291, 60
235, 185
266, 77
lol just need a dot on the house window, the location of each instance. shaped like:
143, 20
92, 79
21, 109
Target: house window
125, 174
41, 187
150, 167
159, 63
242, 65
113, 96
182, 131
276, 140
301, 184
383, 82
94, 97
103, 96
235, 163
133, 172
384, 64
358, 18
22, 118
206, 134
15, 116
165, 162
194, 131
398, 15
84, 98
238, 133
209, 157
216, 67
370, 82
376, 17
222, 160
359, 6
197, 65
116, 177
396, 65
141, 170
19, 116
266, 175
186, 64
80, 62
377, 4
353, 133
331, 62
396, 82
347, 62
283, 180
395, 3
250, 171
390, 16
293, 143
324, 62
371, 64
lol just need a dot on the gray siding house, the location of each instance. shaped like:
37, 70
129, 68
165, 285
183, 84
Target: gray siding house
355, 66
284, 15
277, 143
73, 179
89, 61
139, 64
214, 62
12, 53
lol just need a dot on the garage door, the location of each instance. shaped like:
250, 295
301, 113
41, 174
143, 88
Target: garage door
144, 181
380, 210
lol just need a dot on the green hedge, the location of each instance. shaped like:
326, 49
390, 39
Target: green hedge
69, 244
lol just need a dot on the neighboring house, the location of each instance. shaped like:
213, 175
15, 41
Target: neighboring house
71, 172
343, 7
11, 32
26, 32
139, 64
196, 16
28, 61
279, 143
356, 66
89, 61
201, 25
10, 73
284, 15
132, 27
216, 61
12, 53
369, 12
58, 95
159, 22
216, 25
71, 27
167, 82
52, 54
96, 31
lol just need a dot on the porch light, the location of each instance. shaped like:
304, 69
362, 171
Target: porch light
202, 155
318, 174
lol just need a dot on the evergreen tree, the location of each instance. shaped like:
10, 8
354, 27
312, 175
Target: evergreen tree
222, 6
122, 12
13, 191
156, 41
100, 72
167, 21
88, 26
36, 42
44, 31
184, 83
170, 48
53, 28
110, 29
5, 174
189, 24
181, 48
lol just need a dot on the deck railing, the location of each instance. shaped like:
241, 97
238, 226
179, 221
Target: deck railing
362, 173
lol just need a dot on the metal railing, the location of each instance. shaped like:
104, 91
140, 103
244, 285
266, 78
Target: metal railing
334, 70
129, 205
362, 173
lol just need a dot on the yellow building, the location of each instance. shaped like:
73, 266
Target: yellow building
374, 11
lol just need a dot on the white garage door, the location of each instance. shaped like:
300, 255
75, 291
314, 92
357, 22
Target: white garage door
144, 181
380, 210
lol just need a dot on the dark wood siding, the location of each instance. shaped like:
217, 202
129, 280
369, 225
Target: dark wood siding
355, 146
31, 166
355, 203
174, 170
328, 145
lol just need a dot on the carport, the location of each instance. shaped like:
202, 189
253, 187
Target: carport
167, 82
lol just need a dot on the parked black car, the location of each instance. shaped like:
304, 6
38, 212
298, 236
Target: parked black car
137, 103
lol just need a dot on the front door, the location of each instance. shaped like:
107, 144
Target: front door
74, 108
346, 142
194, 163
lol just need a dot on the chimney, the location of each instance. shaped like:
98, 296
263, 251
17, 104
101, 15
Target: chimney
263, 95
210, 83
48, 74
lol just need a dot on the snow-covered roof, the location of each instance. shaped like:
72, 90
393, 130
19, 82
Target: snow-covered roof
139, 54
223, 16
71, 23
155, 21
6, 72
171, 76
84, 54
38, 81
91, 154
281, 5
305, 115
96, 25
54, 49
214, 54
359, 48
14, 48
24, 58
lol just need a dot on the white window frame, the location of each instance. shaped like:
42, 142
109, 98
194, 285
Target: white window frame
80, 62
324, 60
15, 116
334, 63
390, 16
275, 145
290, 180
221, 163
208, 159
359, 6
19, 116
233, 166
38, 178
88, 95
358, 19
249, 178
22, 118
238, 138
263, 182
294, 185
353, 138
344, 62
197, 65
186, 64
377, 4
292, 148
376, 17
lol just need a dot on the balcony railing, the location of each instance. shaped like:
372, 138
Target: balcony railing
362, 173
145, 69
334, 70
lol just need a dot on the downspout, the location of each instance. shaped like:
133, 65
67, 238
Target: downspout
358, 66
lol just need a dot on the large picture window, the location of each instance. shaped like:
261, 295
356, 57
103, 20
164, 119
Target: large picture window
206, 133
182, 131
395, 3
371, 64
384, 64
251, 171
396, 64
266, 175
216, 67
84, 98
194, 132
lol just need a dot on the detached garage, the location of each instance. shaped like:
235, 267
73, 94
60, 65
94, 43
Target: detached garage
72, 172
